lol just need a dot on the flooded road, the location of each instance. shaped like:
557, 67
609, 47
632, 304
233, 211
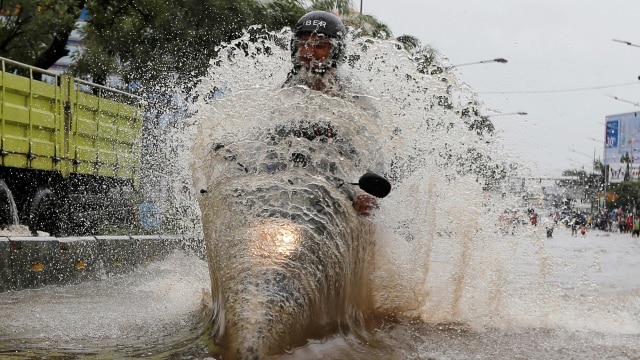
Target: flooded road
152, 307
567, 298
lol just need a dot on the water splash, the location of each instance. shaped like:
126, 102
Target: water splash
434, 257
8, 209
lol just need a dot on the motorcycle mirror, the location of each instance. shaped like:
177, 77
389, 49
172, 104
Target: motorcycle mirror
374, 184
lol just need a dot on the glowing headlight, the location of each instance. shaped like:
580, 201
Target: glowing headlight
276, 239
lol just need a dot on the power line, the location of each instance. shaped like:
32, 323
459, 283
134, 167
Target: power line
558, 90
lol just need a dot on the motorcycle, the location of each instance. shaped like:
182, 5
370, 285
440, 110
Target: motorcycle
289, 256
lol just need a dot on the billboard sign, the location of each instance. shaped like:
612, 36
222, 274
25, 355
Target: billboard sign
622, 136
618, 172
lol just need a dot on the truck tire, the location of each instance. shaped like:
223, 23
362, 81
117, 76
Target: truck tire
8, 210
43, 213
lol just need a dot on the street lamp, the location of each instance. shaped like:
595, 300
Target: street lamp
605, 174
586, 155
509, 113
497, 60
600, 142
581, 153
623, 100
574, 162
626, 42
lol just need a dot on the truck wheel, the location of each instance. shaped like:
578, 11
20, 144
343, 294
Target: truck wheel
43, 213
8, 210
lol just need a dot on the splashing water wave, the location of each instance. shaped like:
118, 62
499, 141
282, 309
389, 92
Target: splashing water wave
272, 157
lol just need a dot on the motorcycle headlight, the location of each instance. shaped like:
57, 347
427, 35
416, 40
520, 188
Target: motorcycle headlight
277, 239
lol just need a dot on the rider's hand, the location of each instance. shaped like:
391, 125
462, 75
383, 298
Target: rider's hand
364, 203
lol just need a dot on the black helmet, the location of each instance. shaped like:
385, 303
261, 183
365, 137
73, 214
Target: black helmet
323, 23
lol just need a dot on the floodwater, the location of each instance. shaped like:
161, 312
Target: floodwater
567, 298
156, 306
450, 283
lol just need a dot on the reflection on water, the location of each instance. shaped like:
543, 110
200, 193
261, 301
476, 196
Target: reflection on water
451, 285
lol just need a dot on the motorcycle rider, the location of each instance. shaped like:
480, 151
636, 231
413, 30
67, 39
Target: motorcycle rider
317, 48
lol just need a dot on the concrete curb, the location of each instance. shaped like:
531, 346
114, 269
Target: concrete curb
33, 262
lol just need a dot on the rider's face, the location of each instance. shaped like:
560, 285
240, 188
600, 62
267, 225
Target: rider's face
313, 50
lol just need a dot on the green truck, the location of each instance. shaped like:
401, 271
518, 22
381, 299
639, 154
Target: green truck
69, 152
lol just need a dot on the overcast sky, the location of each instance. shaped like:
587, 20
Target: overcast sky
563, 67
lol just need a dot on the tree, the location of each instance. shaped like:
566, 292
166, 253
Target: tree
36, 32
341, 6
154, 41
409, 42
626, 159
582, 185
628, 196
279, 14
148, 42
367, 25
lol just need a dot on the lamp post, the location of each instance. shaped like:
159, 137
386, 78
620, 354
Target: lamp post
509, 113
636, 104
626, 42
601, 142
604, 171
593, 163
497, 60
592, 179
581, 153
574, 162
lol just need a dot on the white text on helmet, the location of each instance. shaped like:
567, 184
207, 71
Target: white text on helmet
318, 23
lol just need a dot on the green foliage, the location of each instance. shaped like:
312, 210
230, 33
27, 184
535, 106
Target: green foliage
341, 6
36, 32
628, 193
151, 41
409, 42
282, 13
582, 185
367, 25
426, 58
481, 125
